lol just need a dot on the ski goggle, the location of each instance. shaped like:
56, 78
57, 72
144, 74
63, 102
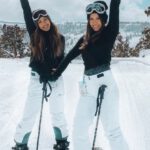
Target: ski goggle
38, 13
98, 7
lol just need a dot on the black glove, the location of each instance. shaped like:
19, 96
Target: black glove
43, 78
48, 77
53, 77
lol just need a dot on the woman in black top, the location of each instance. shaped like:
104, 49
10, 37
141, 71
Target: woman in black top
47, 50
95, 47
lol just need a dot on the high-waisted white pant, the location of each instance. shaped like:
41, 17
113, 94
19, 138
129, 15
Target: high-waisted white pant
109, 112
33, 106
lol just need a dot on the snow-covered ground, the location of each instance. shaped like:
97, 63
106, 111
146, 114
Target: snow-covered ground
133, 79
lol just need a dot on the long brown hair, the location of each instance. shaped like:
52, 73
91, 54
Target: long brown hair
90, 36
37, 42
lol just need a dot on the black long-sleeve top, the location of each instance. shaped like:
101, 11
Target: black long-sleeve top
41, 67
97, 53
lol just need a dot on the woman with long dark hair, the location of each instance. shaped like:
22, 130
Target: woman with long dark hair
47, 50
95, 47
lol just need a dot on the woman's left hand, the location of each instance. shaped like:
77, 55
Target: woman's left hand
53, 75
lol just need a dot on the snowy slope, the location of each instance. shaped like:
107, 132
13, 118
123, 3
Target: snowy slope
133, 79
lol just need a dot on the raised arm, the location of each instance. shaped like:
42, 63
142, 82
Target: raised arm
69, 57
28, 16
113, 25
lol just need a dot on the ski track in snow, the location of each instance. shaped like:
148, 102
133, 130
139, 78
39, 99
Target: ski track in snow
132, 77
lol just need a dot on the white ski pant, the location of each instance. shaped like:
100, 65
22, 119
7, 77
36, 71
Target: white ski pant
33, 106
109, 113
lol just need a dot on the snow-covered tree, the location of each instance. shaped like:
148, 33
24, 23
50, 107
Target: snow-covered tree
12, 40
144, 42
121, 47
147, 11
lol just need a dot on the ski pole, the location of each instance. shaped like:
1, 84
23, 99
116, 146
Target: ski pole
44, 96
100, 97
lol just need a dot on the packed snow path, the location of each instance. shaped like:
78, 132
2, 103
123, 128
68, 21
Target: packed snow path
133, 80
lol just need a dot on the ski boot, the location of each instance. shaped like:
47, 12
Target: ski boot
20, 147
61, 145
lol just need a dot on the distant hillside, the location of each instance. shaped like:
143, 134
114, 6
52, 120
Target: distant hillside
79, 27
74, 30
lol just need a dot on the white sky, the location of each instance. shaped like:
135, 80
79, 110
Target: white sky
71, 10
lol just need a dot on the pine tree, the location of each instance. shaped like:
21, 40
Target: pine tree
121, 47
12, 40
144, 42
147, 11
